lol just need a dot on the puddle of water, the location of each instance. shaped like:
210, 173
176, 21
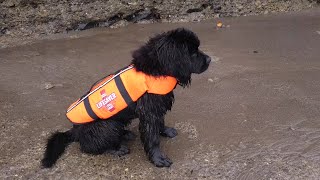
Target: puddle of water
257, 118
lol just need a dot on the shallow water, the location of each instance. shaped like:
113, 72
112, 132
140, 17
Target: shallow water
253, 115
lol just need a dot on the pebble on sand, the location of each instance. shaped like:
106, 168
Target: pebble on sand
219, 25
48, 86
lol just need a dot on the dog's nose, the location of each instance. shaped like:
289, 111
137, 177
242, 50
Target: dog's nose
208, 60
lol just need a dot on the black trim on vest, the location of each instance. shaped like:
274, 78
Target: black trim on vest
89, 109
124, 93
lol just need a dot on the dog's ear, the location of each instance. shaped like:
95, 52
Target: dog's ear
173, 54
145, 59
168, 54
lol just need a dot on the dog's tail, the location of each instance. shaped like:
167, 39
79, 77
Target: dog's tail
56, 145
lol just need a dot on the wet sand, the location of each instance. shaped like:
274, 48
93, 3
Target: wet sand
253, 115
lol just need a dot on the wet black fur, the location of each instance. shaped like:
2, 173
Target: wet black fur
174, 53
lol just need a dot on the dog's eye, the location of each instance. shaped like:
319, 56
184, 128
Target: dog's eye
193, 51
194, 54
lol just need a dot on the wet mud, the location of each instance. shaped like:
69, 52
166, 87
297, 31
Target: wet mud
253, 115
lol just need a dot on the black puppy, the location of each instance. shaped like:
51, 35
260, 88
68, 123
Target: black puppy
174, 53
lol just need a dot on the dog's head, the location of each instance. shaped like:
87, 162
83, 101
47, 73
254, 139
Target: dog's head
175, 53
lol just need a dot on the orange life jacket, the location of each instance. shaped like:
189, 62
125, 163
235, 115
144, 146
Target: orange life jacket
115, 92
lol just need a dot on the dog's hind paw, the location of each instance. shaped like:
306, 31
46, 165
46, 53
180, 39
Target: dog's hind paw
169, 132
129, 136
123, 150
160, 160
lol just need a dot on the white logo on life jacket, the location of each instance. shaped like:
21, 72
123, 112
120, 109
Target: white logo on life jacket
107, 101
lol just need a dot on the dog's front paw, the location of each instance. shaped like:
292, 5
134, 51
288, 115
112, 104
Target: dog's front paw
159, 159
169, 132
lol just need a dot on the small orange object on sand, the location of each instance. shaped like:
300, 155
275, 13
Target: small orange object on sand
219, 24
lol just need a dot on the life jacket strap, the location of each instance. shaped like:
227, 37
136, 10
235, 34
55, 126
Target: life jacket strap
124, 93
89, 109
